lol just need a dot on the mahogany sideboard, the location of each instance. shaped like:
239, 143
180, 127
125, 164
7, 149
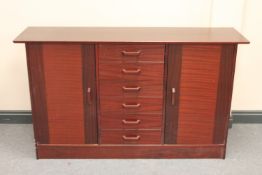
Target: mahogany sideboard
130, 92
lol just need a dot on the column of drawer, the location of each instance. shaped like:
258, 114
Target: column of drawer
131, 93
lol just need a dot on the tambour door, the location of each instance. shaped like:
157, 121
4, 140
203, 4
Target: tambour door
199, 86
63, 97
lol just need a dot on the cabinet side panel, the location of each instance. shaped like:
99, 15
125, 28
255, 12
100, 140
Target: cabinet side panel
64, 92
224, 93
37, 91
198, 93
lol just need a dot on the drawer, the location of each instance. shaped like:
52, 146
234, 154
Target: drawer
130, 52
131, 121
131, 72
130, 137
130, 105
143, 88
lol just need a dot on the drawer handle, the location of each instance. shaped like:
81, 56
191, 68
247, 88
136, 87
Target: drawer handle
126, 88
135, 137
131, 105
131, 122
126, 53
131, 71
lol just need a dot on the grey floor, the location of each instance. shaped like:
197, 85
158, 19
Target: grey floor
244, 156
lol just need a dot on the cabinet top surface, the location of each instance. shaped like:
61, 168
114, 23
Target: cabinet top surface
131, 35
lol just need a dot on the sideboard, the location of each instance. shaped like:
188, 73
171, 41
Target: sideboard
130, 92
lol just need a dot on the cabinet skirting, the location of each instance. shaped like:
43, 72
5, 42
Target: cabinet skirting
73, 151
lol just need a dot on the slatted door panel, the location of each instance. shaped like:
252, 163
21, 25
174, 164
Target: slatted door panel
64, 92
198, 93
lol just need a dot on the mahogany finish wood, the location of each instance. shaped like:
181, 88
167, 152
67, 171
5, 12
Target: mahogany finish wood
143, 105
145, 88
116, 52
198, 93
130, 65
37, 91
224, 93
131, 121
131, 35
131, 72
174, 59
130, 137
90, 95
50, 151
130, 92
64, 92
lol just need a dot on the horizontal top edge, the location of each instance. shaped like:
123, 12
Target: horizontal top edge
131, 35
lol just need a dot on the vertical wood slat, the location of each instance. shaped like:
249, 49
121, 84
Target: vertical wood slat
174, 58
37, 92
90, 101
224, 92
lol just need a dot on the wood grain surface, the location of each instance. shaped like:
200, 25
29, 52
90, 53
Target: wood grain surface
138, 121
49, 151
224, 93
114, 72
90, 93
131, 35
146, 52
115, 105
173, 69
64, 92
198, 93
145, 88
122, 67
37, 92
144, 136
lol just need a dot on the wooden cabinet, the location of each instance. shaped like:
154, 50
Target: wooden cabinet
130, 92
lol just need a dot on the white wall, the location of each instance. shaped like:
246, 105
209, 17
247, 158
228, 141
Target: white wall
248, 79
15, 15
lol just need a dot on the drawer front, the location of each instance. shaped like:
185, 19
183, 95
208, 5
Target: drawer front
131, 88
131, 71
130, 105
131, 52
131, 121
130, 137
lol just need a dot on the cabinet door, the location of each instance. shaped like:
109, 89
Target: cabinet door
58, 85
197, 76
